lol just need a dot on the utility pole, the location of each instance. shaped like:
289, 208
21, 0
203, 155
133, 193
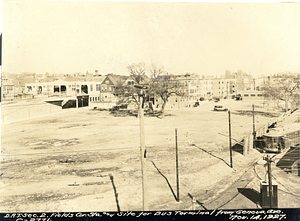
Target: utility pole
254, 133
230, 148
269, 161
143, 153
177, 173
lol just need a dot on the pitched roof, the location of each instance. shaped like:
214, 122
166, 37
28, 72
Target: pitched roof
115, 79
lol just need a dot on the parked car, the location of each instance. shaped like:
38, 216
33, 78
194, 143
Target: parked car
239, 97
220, 108
196, 104
118, 107
216, 99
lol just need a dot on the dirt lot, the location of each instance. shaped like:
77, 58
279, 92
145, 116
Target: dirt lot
89, 160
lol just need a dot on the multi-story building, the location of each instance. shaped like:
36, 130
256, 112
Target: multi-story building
224, 88
108, 86
205, 88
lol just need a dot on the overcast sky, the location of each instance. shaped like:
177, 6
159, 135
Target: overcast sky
203, 38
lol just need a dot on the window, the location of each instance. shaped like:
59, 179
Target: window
259, 95
107, 82
252, 95
97, 87
91, 87
246, 95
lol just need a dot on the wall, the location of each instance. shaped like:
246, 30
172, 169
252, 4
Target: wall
30, 113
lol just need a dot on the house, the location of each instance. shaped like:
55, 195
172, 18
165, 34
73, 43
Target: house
7, 90
108, 87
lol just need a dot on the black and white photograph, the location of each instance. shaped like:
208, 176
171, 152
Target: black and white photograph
149, 110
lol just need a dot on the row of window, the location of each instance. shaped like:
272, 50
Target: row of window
103, 88
94, 98
98, 87
253, 95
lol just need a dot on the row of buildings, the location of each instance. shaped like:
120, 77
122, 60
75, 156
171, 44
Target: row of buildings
94, 88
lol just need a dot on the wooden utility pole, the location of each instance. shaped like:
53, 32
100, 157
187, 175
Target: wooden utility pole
143, 155
76, 100
230, 148
177, 173
269, 161
254, 133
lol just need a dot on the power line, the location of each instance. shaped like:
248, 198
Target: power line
229, 187
296, 196
254, 168
238, 192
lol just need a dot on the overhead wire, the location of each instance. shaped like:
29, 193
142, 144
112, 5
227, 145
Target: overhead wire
288, 191
230, 186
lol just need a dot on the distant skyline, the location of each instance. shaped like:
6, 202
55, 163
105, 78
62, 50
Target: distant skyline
203, 38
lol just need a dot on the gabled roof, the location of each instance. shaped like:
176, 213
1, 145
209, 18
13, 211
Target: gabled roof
115, 79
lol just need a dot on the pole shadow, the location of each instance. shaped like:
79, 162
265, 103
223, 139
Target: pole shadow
251, 194
165, 179
213, 155
115, 191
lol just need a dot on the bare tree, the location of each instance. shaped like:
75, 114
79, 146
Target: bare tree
161, 85
137, 72
164, 85
128, 93
284, 89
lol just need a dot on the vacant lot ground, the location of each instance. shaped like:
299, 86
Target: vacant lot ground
89, 160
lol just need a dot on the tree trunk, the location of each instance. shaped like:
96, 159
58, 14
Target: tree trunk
163, 106
162, 114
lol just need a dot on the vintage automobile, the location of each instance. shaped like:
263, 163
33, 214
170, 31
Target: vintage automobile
220, 108
196, 104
